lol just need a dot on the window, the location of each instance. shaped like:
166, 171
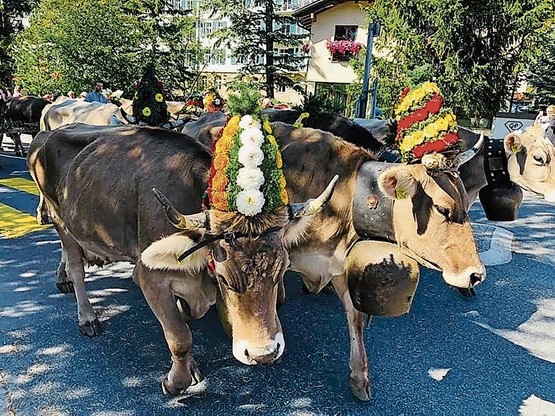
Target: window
189, 4
215, 57
345, 33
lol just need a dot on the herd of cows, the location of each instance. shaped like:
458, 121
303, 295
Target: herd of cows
358, 220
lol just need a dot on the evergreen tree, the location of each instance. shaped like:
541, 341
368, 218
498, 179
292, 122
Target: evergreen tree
541, 72
257, 29
167, 40
11, 22
475, 48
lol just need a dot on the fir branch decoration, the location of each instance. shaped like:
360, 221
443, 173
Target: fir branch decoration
244, 100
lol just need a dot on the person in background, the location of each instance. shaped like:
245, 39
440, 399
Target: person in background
544, 119
83, 95
17, 91
96, 94
71, 94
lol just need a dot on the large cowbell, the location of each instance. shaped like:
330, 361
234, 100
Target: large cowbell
382, 281
500, 198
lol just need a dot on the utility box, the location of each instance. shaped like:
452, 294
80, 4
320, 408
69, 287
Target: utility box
505, 123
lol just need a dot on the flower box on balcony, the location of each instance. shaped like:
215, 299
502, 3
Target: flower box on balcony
343, 50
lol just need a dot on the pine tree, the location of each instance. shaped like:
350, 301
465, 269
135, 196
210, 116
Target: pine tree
11, 22
540, 74
256, 31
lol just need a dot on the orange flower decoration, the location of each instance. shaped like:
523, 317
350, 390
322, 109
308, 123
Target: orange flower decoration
224, 144
219, 201
220, 181
282, 182
221, 161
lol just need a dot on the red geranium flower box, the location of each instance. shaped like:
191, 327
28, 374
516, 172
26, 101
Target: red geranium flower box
342, 50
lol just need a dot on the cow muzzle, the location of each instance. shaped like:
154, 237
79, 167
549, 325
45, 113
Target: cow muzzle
251, 354
468, 278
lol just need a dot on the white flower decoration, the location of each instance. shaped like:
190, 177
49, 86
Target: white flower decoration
247, 121
250, 178
252, 136
250, 156
250, 202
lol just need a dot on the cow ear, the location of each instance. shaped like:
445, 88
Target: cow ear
512, 143
163, 254
398, 183
215, 132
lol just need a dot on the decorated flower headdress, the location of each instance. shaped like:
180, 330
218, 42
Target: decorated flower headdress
213, 101
423, 124
149, 105
246, 172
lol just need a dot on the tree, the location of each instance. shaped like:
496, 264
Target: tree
167, 40
71, 43
540, 73
256, 33
11, 22
475, 48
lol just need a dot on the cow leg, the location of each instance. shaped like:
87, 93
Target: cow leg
75, 269
19, 149
359, 379
63, 282
159, 296
42, 211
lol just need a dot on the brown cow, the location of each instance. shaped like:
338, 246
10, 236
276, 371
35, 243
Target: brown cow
97, 183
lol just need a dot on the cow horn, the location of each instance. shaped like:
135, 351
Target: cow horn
313, 206
468, 154
184, 222
127, 117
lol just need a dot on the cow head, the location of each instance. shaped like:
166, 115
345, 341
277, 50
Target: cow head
430, 220
531, 161
248, 258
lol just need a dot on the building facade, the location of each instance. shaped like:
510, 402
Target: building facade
220, 65
337, 33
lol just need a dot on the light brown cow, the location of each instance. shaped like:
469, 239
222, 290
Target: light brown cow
97, 183
428, 221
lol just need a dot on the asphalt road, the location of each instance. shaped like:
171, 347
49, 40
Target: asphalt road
493, 355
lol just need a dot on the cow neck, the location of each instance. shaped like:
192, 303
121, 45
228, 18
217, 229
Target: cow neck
495, 163
372, 210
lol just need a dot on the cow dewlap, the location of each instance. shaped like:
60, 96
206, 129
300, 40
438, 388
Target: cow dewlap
163, 254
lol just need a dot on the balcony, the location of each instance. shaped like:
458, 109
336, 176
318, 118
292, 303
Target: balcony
343, 50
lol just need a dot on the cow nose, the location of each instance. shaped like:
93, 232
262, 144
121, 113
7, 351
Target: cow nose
264, 355
476, 278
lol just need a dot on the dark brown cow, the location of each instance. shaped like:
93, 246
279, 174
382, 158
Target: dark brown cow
21, 111
97, 184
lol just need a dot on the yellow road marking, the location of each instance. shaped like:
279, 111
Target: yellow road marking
15, 224
21, 184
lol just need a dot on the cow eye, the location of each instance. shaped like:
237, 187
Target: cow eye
539, 160
446, 212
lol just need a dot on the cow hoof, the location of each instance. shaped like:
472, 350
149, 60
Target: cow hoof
196, 375
362, 393
65, 287
469, 293
169, 390
91, 329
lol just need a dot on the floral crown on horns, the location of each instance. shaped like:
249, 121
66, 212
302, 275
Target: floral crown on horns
423, 124
246, 171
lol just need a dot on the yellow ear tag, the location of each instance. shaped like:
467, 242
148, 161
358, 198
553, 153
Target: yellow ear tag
400, 193
515, 148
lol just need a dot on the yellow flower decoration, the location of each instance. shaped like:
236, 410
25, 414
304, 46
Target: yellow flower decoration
147, 111
279, 160
272, 140
231, 130
224, 144
236, 119
442, 124
282, 182
431, 130
267, 126
284, 196
221, 160
159, 97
